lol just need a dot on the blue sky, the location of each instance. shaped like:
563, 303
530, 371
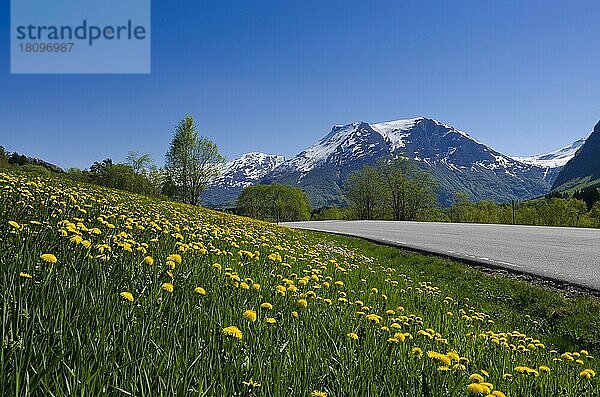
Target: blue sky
274, 76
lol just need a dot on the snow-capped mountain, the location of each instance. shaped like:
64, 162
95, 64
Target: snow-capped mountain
459, 162
555, 159
321, 169
245, 170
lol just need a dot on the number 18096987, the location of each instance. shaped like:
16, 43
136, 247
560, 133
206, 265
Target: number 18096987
46, 47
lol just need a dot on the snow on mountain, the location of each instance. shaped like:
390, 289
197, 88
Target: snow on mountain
245, 170
351, 139
557, 158
396, 131
458, 161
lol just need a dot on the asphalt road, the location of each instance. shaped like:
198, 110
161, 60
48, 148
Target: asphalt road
565, 254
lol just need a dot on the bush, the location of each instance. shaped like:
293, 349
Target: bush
274, 202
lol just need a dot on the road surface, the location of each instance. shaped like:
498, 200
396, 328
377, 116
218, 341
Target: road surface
570, 255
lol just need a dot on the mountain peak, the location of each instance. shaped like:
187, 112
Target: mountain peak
396, 132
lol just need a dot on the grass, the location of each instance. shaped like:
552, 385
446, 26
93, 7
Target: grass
419, 325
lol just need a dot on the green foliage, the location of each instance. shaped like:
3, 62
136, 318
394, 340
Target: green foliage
330, 213
408, 189
76, 174
139, 163
36, 169
364, 191
552, 211
68, 330
394, 189
595, 213
274, 202
3, 157
14, 159
118, 176
191, 162
589, 195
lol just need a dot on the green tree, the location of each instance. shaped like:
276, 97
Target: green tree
595, 213
365, 191
325, 213
561, 212
191, 162
99, 171
139, 163
460, 210
3, 157
120, 176
274, 202
77, 174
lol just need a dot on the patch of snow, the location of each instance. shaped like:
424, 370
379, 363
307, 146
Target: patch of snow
557, 158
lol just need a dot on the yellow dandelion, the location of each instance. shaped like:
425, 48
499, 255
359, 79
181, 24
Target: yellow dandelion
127, 295
477, 388
251, 384
280, 289
544, 369
374, 318
270, 320
149, 260
318, 393
476, 378
48, 258
352, 335
233, 332
295, 314
25, 275
200, 290
302, 303
250, 315
174, 258
399, 336
417, 351
266, 305
587, 374
167, 287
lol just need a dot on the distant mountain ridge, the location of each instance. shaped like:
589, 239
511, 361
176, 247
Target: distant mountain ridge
458, 161
584, 167
554, 161
246, 170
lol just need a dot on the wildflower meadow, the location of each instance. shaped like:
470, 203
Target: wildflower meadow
111, 293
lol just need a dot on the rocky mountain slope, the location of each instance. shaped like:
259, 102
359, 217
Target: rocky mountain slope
458, 161
244, 171
584, 167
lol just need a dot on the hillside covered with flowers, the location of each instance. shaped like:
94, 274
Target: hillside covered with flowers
106, 292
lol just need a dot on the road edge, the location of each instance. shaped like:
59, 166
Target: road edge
489, 267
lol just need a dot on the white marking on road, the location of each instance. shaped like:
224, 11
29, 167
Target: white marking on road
507, 264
